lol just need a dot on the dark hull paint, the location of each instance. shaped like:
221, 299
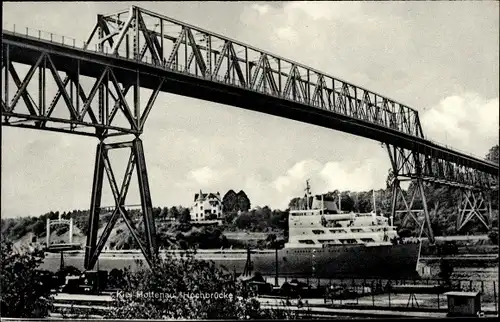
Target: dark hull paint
349, 260
333, 262
339, 261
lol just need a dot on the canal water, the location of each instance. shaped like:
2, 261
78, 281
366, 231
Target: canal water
486, 274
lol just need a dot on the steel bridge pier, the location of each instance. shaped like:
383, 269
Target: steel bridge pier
102, 163
420, 169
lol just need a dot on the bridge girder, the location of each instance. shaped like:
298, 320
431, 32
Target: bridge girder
151, 38
410, 164
226, 76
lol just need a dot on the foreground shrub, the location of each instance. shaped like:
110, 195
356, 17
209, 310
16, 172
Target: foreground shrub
186, 288
25, 291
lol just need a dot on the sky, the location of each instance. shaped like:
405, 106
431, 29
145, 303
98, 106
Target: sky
440, 58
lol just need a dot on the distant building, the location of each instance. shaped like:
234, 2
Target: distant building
206, 206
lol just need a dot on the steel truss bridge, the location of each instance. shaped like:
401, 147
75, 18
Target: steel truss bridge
139, 49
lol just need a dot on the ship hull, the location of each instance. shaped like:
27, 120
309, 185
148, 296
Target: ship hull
344, 261
385, 261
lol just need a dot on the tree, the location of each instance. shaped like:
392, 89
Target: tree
243, 203
347, 202
229, 201
493, 157
229, 217
25, 293
184, 216
164, 212
493, 154
279, 219
173, 212
363, 202
233, 202
39, 228
116, 279
294, 203
390, 179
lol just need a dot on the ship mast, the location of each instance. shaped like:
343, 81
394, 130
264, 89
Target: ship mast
322, 204
308, 192
374, 205
340, 203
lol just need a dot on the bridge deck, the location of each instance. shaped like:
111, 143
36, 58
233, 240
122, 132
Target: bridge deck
26, 50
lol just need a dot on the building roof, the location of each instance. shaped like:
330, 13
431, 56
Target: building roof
206, 196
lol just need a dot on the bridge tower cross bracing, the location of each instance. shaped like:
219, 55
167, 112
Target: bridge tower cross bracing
422, 170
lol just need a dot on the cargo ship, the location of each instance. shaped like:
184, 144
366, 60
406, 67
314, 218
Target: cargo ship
323, 242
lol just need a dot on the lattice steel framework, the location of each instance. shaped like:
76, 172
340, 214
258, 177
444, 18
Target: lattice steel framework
420, 169
474, 203
92, 113
137, 49
154, 39
136, 160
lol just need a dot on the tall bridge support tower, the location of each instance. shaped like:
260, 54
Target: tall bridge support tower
403, 163
420, 169
102, 163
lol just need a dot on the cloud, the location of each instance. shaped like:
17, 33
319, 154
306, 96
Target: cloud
466, 122
262, 9
324, 177
203, 176
325, 10
287, 33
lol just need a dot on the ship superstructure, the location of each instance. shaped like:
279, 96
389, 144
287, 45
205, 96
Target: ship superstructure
321, 222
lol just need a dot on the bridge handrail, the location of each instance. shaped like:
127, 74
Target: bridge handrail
72, 42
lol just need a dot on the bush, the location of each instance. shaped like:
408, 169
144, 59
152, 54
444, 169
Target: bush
445, 271
25, 294
175, 289
448, 248
116, 279
493, 235
62, 230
